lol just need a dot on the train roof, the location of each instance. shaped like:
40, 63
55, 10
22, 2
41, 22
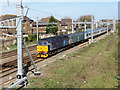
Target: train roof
54, 38
94, 30
73, 34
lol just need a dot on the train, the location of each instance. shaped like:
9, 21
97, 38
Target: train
48, 46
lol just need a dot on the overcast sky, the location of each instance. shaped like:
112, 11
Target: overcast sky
63, 8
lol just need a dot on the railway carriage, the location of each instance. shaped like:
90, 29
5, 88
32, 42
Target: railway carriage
87, 34
76, 37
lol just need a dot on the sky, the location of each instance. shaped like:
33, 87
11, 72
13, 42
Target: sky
101, 9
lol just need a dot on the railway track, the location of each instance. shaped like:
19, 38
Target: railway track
12, 66
13, 69
14, 52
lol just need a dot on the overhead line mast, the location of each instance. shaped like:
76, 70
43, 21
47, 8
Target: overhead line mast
92, 27
19, 39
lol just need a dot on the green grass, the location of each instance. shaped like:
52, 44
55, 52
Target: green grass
94, 66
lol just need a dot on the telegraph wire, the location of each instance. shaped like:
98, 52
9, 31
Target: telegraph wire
47, 12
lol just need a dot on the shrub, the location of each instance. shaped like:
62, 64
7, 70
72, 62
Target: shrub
26, 39
30, 37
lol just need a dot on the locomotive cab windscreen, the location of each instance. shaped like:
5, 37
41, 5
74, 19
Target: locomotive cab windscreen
42, 43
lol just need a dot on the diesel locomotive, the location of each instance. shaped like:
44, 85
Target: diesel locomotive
47, 46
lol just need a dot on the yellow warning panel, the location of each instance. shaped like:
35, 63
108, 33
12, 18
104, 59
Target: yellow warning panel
42, 48
44, 55
38, 55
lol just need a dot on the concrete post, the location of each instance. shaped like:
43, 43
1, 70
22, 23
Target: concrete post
107, 27
37, 30
92, 27
85, 25
96, 24
72, 27
114, 26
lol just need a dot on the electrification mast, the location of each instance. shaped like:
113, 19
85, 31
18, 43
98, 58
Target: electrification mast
107, 27
72, 27
19, 39
37, 30
85, 26
92, 27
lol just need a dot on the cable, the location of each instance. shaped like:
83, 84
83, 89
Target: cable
8, 2
46, 12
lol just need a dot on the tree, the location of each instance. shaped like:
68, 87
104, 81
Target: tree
52, 26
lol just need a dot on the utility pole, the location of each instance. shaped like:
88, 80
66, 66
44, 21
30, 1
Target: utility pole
85, 25
19, 39
22, 80
114, 27
107, 27
72, 27
92, 27
37, 30
96, 24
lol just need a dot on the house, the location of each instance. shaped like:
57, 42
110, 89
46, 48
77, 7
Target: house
27, 24
42, 24
64, 24
10, 19
68, 21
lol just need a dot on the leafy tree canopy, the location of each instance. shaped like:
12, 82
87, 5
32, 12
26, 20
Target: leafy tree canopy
52, 19
52, 28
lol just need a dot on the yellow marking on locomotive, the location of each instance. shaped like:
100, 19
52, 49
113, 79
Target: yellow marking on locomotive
42, 48
44, 55
38, 55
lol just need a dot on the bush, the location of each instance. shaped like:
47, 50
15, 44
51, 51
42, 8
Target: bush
30, 37
33, 37
26, 39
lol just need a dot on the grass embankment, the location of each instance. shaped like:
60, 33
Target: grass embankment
95, 66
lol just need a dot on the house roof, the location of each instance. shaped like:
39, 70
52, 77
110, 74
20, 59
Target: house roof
28, 19
46, 20
8, 16
64, 24
105, 20
66, 20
